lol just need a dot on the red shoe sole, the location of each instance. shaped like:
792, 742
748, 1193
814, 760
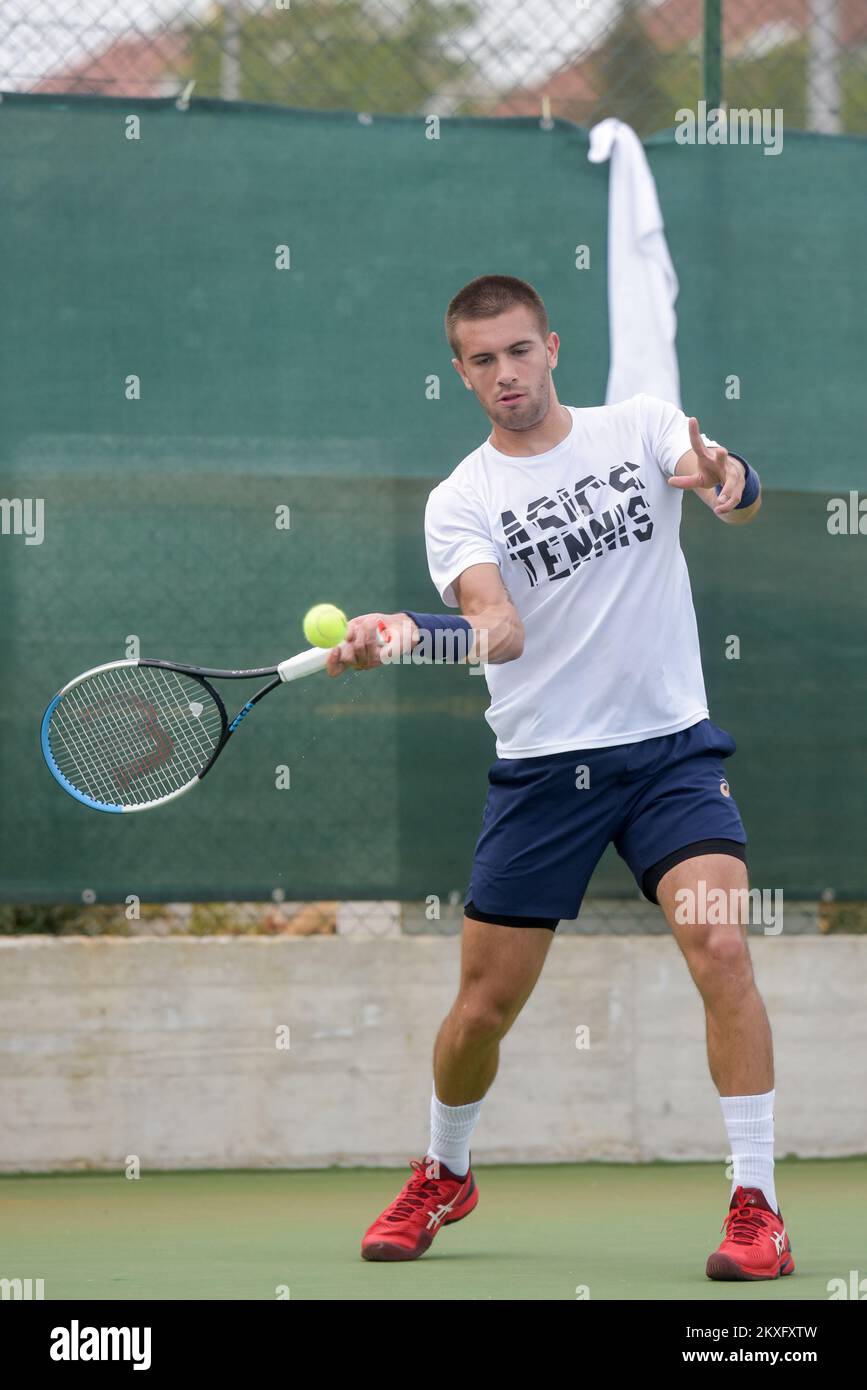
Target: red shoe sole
724, 1267
380, 1251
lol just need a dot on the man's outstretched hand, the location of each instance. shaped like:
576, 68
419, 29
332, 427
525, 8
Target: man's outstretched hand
361, 648
712, 466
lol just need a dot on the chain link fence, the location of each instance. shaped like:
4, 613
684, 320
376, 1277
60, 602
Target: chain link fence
582, 60
367, 920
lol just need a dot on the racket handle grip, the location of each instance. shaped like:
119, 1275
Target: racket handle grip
304, 664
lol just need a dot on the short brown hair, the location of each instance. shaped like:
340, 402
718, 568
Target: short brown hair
489, 295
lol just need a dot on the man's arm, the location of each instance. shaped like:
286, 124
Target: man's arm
484, 600
702, 469
498, 633
687, 465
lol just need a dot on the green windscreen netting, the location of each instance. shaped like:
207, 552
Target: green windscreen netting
326, 388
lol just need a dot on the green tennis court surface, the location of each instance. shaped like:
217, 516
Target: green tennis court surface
538, 1232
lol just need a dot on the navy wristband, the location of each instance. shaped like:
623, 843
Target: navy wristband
751, 483
452, 650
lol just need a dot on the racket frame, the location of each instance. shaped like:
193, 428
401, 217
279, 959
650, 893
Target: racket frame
304, 664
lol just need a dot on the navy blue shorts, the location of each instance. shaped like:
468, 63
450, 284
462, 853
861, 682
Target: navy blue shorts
549, 819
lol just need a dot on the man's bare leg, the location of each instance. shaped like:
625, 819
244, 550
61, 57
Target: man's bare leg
739, 1045
499, 969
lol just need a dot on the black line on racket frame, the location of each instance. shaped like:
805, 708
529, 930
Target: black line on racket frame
200, 674
214, 672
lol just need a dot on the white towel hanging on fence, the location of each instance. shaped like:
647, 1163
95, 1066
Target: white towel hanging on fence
642, 285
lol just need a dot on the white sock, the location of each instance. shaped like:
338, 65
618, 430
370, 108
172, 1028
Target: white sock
749, 1122
451, 1127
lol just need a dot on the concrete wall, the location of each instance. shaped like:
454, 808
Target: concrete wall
165, 1048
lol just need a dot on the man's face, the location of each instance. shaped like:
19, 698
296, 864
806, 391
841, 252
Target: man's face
508, 365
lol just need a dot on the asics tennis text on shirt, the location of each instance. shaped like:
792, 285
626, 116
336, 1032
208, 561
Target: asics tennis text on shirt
587, 540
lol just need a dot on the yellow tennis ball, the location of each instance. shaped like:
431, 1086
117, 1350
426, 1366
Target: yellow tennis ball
325, 625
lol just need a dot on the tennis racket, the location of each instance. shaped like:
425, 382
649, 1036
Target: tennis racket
135, 734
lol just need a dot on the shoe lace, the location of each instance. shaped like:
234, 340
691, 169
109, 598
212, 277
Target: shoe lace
418, 1191
744, 1224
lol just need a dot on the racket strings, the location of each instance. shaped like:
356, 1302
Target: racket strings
113, 744
134, 734
106, 739
102, 733
122, 734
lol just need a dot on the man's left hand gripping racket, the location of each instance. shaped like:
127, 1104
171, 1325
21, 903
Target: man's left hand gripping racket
132, 735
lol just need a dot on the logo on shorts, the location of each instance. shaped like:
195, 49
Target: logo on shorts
725, 788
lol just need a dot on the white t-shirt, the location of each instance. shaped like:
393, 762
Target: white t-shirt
586, 537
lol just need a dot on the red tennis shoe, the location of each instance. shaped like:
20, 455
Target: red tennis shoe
432, 1198
756, 1245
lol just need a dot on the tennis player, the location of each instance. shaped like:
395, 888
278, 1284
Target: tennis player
558, 539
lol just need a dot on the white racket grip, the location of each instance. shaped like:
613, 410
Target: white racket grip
304, 664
